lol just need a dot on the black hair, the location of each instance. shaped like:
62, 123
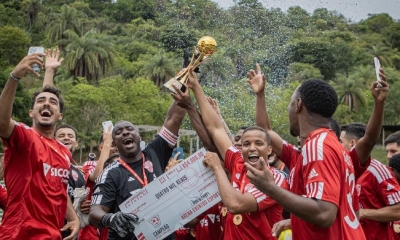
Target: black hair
356, 130
110, 160
335, 127
318, 97
67, 126
394, 162
259, 129
242, 128
52, 90
393, 138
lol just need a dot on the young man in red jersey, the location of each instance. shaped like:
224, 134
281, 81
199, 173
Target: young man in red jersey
251, 213
322, 178
392, 144
92, 169
37, 196
378, 191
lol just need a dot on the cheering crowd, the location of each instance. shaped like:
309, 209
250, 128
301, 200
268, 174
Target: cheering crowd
327, 187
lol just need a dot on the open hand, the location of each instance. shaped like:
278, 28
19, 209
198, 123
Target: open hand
256, 80
52, 59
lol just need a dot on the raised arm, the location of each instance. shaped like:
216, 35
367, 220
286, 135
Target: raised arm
183, 100
51, 64
104, 154
210, 118
257, 83
7, 95
174, 118
215, 106
366, 144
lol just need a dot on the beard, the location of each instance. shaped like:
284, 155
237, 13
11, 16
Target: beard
45, 124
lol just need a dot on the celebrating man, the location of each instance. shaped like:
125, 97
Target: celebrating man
37, 165
134, 170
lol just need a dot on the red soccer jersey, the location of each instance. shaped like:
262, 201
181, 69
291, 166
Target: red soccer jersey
323, 170
255, 225
3, 198
209, 226
378, 188
36, 173
89, 232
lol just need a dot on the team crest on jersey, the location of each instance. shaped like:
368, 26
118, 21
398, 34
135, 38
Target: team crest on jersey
155, 221
74, 175
149, 166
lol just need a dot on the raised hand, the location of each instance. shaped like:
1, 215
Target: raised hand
25, 65
52, 59
380, 89
256, 80
182, 98
214, 105
192, 78
173, 162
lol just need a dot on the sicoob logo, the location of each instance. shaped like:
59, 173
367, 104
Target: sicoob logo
55, 172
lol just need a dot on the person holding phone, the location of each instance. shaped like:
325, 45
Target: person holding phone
36, 165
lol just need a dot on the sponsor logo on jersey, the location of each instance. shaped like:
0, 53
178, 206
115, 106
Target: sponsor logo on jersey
55, 172
130, 179
149, 166
237, 175
312, 174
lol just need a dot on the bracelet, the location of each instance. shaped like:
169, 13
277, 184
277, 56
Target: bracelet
14, 78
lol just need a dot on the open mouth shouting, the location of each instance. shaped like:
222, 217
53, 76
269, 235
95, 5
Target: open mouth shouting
46, 113
128, 142
253, 158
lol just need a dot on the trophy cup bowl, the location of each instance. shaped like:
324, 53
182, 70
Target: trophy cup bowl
206, 46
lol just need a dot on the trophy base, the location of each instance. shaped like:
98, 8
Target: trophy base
171, 88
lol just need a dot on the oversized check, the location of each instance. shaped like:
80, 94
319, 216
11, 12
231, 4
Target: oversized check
174, 198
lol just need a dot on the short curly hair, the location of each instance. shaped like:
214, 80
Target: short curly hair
52, 90
356, 130
394, 162
319, 97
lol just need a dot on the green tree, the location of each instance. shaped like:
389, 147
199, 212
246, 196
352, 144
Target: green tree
89, 56
67, 19
159, 69
32, 9
350, 91
14, 45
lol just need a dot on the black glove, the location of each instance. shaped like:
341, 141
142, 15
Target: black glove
121, 223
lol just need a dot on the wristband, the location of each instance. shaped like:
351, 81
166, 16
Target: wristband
14, 78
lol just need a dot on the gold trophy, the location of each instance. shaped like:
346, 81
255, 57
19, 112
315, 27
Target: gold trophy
206, 46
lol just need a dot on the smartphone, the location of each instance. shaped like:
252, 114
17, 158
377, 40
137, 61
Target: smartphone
32, 50
377, 67
106, 124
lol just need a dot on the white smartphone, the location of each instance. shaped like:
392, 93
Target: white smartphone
35, 50
377, 64
106, 124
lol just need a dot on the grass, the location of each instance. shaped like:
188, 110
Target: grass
379, 153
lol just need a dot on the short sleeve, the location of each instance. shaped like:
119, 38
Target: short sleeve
232, 156
289, 154
105, 190
321, 171
88, 168
358, 169
263, 200
387, 186
20, 138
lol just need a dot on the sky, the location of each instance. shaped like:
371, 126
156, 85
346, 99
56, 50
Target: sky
355, 10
